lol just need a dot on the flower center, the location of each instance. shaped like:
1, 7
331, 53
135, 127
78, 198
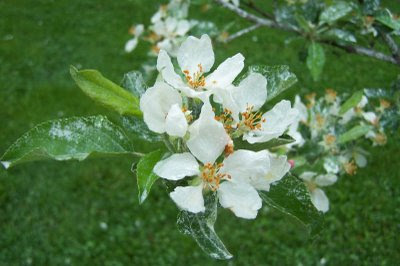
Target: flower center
211, 176
197, 80
251, 120
226, 119
350, 168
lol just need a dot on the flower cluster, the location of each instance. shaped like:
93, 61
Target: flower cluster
168, 26
201, 115
327, 135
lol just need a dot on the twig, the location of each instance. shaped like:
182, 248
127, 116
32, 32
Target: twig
272, 24
394, 48
242, 32
251, 5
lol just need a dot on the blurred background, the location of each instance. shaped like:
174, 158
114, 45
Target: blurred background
71, 213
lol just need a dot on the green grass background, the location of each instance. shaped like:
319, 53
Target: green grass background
50, 212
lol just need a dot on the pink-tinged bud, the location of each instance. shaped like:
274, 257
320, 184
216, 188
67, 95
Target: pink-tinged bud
291, 162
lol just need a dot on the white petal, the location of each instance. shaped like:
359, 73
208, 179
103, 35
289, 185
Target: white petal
189, 198
276, 122
183, 27
194, 52
131, 45
177, 166
226, 72
307, 176
278, 169
363, 102
139, 29
346, 117
165, 45
360, 159
246, 165
208, 137
176, 123
299, 106
325, 180
165, 67
320, 200
170, 24
252, 91
155, 104
240, 198
370, 117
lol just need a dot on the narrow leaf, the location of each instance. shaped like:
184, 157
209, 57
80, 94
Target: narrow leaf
354, 133
145, 175
200, 226
387, 19
315, 60
279, 78
351, 102
68, 138
273, 143
106, 92
334, 12
291, 197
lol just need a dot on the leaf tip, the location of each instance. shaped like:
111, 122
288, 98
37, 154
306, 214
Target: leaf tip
142, 196
6, 164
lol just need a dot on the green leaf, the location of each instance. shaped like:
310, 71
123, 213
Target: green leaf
273, 143
315, 60
303, 23
106, 92
387, 19
68, 138
291, 197
145, 175
341, 35
354, 133
134, 82
334, 12
279, 78
200, 226
351, 102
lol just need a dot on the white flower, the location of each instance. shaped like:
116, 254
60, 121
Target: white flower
273, 123
228, 180
195, 58
161, 107
136, 31
231, 179
170, 30
318, 196
251, 92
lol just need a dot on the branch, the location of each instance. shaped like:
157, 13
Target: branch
251, 5
394, 48
272, 24
242, 32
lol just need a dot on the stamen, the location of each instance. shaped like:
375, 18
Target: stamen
211, 176
197, 80
252, 120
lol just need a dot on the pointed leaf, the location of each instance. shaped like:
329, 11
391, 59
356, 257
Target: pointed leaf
387, 19
273, 143
279, 78
291, 197
351, 102
68, 138
334, 12
200, 226
145, 175
106, 92
354, 133
315, 60
341, 35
